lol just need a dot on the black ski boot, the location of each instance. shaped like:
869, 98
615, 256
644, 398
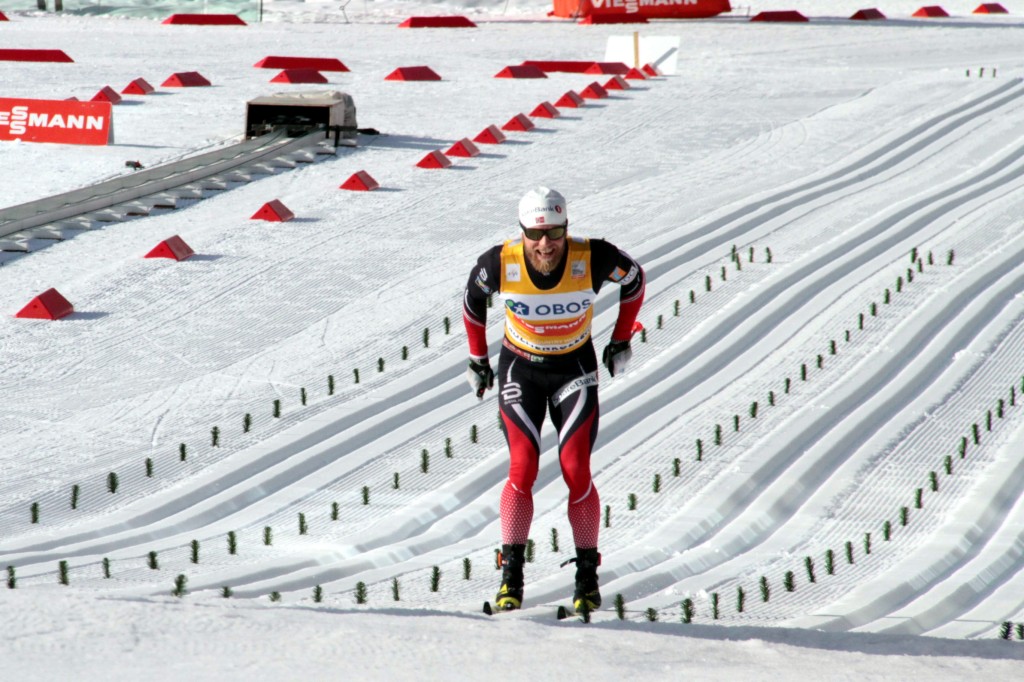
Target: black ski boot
510, 596
586, 597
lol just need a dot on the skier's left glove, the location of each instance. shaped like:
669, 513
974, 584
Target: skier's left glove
480, 376
617, 356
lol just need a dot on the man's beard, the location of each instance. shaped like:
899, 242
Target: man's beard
544, 267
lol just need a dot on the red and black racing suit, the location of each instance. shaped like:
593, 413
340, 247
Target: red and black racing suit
565, 383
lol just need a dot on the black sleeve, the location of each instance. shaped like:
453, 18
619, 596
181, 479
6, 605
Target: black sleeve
611, 264
483, 281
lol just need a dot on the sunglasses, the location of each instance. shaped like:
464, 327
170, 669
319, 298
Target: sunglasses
534, 234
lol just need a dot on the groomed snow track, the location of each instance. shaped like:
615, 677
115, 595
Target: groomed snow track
824, 382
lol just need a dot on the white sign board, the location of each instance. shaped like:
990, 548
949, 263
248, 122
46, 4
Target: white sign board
661, 52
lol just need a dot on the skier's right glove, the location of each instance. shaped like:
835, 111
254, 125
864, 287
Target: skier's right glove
480, 376
617, 356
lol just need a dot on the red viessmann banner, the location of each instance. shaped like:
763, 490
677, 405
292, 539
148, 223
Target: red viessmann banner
60, 121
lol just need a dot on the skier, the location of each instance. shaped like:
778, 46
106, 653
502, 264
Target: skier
547, 361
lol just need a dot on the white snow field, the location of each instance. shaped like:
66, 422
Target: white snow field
823, 435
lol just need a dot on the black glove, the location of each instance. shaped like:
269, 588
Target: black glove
617, 356
480, 377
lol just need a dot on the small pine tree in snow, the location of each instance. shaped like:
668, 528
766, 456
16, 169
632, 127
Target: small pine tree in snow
676, 467
950, 257
1005, 629
302, 395
277, 407
394, 481
435, 579
330, 384
472, 434
886, 297
34, 512
651, 614
182, 452
700, 449
675, 308
910, 275
988, 421
963, 447
867, 543
631, 502
106, 567
933, 479
467, 568
860, 321
360, 592
194, 547
554, 540
366, 494
735, 422
803, 371
62, 572
607, 516
215, 436
771, 398
426, 337
789, 581
976, 432
334, 511
809, 565
766, 590
12, 580
396, 593
1020, 630
767, 255
232, 542
849, 552
225, 592
620, 606
74, 494
718, 434
149, 469
318, 594
687, 606
899, 284
1000, 407
948, 464
179, 585
112, 482
152, 562
405, 352
707, 282
887, 531
380, 365
832, 347
656, 486
918, 498
724, 273
904, 516
355, 375
424, 460
531, 548
874, 309
821, 361
303, 527
741, 597
268, 535
448, 447
693, 296
714, 605
660, 322
789, 383
447, 325
275, 596
830, 562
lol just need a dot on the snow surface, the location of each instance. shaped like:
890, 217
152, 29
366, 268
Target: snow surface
838, 146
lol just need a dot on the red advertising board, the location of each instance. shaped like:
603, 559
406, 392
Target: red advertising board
650, 9
60, 121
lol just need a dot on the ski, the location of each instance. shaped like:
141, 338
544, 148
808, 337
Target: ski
564, 612
487, 608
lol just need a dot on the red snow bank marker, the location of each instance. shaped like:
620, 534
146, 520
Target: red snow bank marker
49, 305
205, 19
518, 123
139, 86
521, 71
931, 11
594, 91
186, 79
3, 17
274, 211
561, 66
317, 63
172, 247
490, 135
783, 15
650, 70
464, 148
990, 8
413, 73
591, 19
18, 55
545, 110
600, 68
434, 159
867, 14
106, 94
570, 100
437, 22
617, 83
360, 181
299, 76
635, 75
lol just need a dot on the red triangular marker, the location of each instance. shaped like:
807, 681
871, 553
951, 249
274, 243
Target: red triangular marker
434, 159
360, 181
49, 305
172, 247
274, 211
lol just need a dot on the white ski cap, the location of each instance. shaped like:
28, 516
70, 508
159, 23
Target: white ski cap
542, 207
